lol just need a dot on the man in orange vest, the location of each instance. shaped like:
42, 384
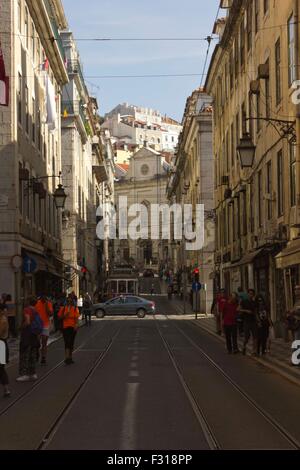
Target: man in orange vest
45, 310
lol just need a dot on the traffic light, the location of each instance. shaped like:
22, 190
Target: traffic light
196, 274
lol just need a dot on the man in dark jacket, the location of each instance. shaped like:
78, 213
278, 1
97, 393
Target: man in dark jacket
248, 308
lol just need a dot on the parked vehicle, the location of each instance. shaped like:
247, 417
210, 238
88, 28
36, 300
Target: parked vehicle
125, 305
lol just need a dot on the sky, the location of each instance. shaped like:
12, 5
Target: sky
142, 19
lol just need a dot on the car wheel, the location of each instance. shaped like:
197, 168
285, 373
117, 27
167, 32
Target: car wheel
100, 314
141, 313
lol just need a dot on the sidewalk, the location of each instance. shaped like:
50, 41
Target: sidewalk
279, 359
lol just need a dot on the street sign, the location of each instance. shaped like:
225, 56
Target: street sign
196, 286
29, 265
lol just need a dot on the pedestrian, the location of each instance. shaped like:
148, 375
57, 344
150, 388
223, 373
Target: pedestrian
4, 354
11, 316
170, 292
217, 308
31, 329
263, 325
293, 316
240, 320
248, 308
69, 315
87, 309
74, 299
45, 310
80, 304
229, 322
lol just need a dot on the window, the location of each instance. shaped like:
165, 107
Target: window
259, 198
258, 113
278, 71
242, 44
244, 119
20, 16
256, 15
237, 129
269, 190
293, 173
26, 32
39, 130
249, 26
231, 70
33, 41
20, 191
280, 200
232, 145
19, 98
291, 50
245, 215
266, 6
267, 91
26, 109
251, 122
33, 119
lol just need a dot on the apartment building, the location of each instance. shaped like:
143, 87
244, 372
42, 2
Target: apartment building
251, 78
191, 182
30, 147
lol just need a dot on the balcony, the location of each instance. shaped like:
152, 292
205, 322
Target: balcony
101, 173
74, 69
75, 109
55, 29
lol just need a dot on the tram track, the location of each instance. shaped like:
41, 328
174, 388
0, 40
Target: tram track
199, 412
40, 381
50, 434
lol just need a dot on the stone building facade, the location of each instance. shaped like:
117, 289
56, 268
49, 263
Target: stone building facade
144, 182
30, 147
251, 78
191, 182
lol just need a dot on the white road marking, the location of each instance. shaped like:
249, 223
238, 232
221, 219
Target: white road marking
134, 373
128, 434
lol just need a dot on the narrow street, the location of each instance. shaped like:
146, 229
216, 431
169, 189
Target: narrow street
157, 383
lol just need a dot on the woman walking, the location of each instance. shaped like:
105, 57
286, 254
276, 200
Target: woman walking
69, 314
229, 321
4, 351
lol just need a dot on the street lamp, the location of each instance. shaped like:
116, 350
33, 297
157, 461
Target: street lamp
60, 197
246, 151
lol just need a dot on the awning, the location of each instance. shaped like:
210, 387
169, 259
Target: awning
248, 258
290, 256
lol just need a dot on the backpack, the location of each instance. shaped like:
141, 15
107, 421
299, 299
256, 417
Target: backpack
36, 326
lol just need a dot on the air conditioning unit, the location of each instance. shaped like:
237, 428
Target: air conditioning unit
255, 87
264, 71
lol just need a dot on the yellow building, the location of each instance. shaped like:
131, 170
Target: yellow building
251, 78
